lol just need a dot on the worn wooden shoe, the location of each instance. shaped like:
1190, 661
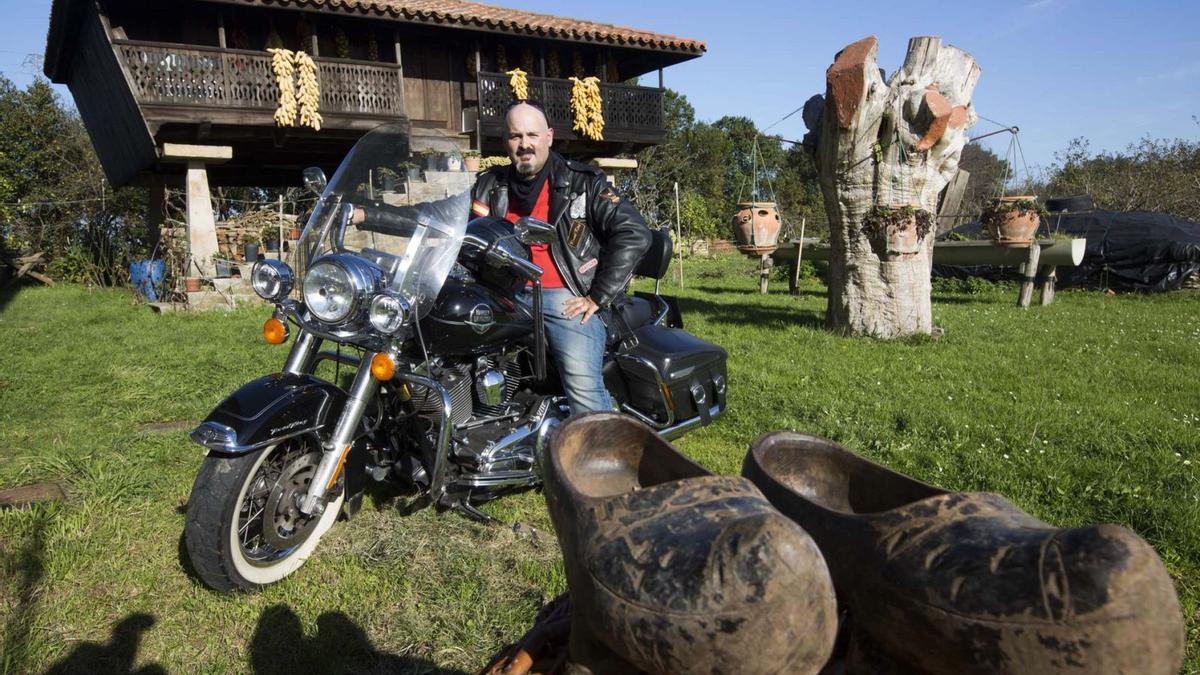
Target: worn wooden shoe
942, 582
673, 570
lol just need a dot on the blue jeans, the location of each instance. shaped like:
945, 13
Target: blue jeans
578, 350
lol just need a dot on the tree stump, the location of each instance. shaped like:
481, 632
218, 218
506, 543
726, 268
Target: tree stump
887, 148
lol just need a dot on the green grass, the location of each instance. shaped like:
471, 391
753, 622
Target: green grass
1085, 411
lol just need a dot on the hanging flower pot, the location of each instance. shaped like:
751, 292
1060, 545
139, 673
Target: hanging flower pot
897, 231
1012, 221
192, 284
294, 233
756, 227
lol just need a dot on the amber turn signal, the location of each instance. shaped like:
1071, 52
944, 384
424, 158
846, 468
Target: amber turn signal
275, 331
383, 366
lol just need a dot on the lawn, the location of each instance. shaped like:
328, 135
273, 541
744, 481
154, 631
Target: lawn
1085, 411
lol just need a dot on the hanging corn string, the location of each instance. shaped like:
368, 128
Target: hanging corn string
519, 83
285, 79
308, 91
585, 101
299, 91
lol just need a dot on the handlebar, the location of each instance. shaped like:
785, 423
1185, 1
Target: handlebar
503, 257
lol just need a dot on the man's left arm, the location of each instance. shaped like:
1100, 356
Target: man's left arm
624, 239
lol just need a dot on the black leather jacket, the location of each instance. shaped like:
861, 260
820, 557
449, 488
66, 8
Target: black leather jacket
601, 237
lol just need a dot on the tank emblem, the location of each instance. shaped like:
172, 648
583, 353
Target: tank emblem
481, 320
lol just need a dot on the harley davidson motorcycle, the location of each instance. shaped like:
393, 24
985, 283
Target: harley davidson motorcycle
452, 395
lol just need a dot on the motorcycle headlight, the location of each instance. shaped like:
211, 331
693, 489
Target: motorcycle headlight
271, 279
388, 313
335, 287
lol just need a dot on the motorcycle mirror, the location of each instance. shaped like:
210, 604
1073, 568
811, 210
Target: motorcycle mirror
314, 180
534, 231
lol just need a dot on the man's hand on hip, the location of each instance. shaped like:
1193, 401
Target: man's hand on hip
576, 306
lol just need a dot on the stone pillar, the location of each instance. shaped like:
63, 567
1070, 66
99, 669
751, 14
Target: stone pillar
202, 225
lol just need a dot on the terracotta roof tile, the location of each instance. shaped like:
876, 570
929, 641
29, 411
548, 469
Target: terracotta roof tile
518, 21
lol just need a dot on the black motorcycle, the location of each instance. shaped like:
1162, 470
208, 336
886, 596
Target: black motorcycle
452, 394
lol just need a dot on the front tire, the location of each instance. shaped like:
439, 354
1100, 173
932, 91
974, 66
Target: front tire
243, 531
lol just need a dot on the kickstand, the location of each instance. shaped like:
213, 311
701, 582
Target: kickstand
475, 514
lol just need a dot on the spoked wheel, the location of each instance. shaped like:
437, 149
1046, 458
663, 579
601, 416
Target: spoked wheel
244, 527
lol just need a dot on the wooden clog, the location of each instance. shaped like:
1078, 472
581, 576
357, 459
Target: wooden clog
673, 570
944, 583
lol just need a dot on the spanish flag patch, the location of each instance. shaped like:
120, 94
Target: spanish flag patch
479, 208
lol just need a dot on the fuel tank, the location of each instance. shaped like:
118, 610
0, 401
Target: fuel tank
472, 319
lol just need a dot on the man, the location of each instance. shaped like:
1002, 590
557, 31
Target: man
601, 239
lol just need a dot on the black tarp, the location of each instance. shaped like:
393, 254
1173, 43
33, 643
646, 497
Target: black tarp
1126, 250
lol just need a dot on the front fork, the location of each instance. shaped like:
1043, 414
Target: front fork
302, 360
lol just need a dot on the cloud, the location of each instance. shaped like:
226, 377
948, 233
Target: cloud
1039, 4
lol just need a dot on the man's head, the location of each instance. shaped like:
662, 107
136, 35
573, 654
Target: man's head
528, 137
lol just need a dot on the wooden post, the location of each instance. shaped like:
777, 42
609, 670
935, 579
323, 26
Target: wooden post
281, 239
764, 272
479, 103
794, 282
221, 29
1049, 278
400, 65
948, 213
679, 233
660, 78
1029, 271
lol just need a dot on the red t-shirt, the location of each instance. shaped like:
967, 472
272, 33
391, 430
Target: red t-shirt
541, 252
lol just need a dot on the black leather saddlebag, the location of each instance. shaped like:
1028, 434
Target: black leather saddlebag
671, 375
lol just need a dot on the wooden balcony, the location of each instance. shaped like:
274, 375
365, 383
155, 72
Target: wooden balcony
633, 116
169, 82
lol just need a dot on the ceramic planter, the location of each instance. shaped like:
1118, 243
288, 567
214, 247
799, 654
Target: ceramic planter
192, 284
756, 227
1009, 225
471, 163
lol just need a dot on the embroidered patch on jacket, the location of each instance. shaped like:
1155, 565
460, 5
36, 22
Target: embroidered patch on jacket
576, 233
479, 208
579, 206
588, 266
610, 196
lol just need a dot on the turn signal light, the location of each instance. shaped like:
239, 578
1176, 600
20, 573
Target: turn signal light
383, 367
275, 331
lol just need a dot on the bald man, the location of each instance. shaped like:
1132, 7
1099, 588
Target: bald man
601, 239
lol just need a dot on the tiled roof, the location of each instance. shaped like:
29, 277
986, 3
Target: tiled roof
491, 17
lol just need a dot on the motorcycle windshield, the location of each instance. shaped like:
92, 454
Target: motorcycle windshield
400, 202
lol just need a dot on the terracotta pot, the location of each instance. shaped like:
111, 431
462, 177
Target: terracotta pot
902, 238
756, 227
471, 163
295, 233
192, 284
1013, 227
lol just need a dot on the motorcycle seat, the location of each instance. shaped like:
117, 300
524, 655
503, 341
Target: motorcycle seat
628, 314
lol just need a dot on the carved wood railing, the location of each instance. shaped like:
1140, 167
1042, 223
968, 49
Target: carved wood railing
629, 111
209, 76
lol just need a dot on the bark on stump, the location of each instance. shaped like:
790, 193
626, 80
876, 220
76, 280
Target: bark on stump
890, 144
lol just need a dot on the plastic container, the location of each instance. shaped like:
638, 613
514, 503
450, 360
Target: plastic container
147, 278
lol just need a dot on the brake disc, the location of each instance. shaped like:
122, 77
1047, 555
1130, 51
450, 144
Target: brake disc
284, 525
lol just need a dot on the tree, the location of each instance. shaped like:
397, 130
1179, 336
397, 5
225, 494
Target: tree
53, 195
884, 151
1150, 175
988, 173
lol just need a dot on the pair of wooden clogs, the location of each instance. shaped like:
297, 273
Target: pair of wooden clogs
671, 569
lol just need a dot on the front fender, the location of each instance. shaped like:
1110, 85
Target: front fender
268, 410
277, 407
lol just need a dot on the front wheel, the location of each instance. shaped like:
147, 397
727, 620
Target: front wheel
244, 528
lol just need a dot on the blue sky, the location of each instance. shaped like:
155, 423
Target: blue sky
1108, 70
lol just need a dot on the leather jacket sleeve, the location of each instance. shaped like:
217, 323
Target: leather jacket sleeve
624, 237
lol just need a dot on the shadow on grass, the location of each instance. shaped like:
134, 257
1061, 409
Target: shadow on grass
728, 313
29, 567
114, 658
280, 647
